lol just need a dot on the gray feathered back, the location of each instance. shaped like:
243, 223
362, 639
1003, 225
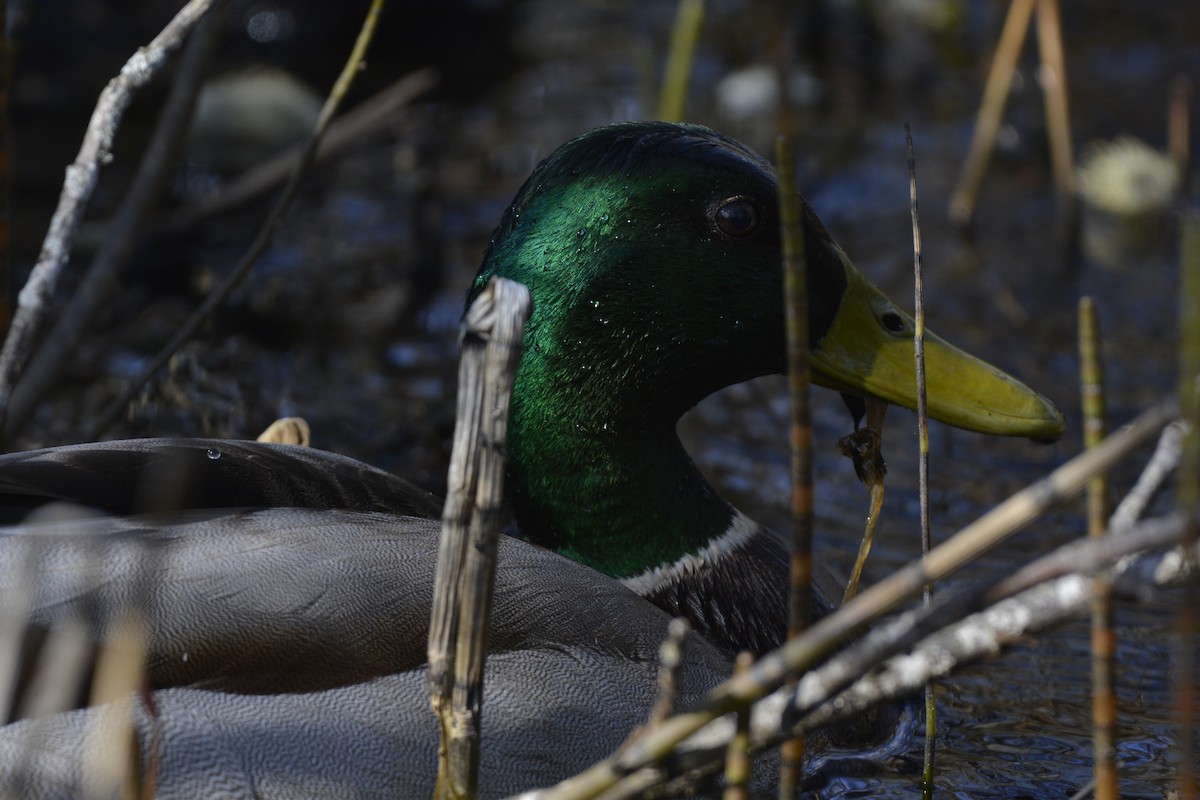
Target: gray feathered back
295, 641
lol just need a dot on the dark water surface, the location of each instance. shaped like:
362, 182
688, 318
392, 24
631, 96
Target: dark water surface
350, 319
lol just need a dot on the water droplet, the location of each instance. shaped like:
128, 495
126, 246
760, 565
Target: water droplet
213, 453
580, 233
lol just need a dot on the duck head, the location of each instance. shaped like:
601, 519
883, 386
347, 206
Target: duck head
652, 253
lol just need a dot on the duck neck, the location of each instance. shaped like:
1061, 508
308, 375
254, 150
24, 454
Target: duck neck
606, 485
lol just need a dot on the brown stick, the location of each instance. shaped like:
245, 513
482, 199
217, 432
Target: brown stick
1054, 87
1187, 623
142, 197
689, 16
737, 757
1104, 696
459, 621
265, 234
927, 768
34, 299
670, 660
795, 289
995, 94
1178, 129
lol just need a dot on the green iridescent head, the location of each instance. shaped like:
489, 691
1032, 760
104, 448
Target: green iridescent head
652, 254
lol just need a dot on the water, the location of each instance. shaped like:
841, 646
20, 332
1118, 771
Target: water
352, 321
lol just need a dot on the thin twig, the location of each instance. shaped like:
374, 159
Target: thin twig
220, 293
33, 303
1095, 425
1150, 482
1084, 791
987, 123
670, 661
345, 131
927, 767
737, 757
988, 632
673, 98
795, 288
1187, 616
865, 449
1054, 87
1178, 129
111, 737
140, 201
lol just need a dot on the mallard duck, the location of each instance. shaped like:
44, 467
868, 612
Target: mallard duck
651, 251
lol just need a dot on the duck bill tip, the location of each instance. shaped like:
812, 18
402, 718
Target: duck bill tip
869, 350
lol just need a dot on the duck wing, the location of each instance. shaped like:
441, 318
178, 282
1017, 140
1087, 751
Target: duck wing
289, 600
293, 643
134, 476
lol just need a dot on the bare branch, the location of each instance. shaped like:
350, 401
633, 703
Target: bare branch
34, 299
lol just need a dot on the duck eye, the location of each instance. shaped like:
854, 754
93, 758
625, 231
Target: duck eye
737, 218
893, 322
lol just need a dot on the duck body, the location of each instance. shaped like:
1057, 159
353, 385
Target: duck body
651, 252
316, 686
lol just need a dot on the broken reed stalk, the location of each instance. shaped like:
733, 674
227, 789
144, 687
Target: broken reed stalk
987, 122
33, 303
60, 671
1095, 415
795, 292
865, 449
670, 660
1095, 427
1178, 129
927, 770
458, 628
219, 294
1187, 626
112, 765
1053, 75
673, 98
737, 756
15, 599
142, 199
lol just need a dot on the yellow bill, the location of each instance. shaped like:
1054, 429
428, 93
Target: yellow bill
869, 350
